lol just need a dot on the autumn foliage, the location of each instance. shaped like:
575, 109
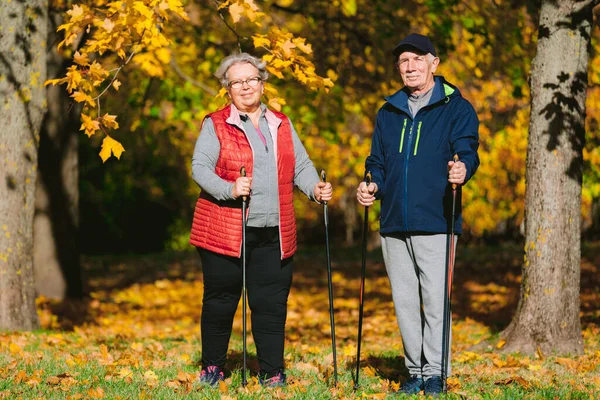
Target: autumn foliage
128, 45
138, 335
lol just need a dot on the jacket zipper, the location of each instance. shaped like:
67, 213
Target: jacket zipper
406, 175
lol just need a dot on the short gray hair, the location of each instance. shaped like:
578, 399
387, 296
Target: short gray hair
240, 58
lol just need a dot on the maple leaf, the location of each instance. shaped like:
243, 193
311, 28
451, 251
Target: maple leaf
89, 125
76, 13
236, 10
108, 25
140, 7
110, 146
262, 40
81, 59
97, 73
287, 47
124, 373
300, 43
96, 393
81, 97
110, 121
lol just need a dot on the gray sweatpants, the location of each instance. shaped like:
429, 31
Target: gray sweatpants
416, 267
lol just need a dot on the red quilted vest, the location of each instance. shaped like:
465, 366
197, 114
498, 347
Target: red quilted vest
217, 225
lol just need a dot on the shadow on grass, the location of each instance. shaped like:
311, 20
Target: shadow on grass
486, 284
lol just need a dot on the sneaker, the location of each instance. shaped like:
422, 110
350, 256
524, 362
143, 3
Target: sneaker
412, 386
434, 386
211, 375
274, 381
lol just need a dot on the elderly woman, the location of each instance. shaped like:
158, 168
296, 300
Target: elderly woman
246, 133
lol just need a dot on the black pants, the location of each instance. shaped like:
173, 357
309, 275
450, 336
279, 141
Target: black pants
268, 282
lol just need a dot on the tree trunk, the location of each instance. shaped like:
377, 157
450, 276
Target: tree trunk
56, 253
547, 317
23, 99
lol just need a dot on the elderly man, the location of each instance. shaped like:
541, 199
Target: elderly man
418, 132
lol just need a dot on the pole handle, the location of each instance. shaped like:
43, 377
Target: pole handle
455, 159
368, 178
243, 173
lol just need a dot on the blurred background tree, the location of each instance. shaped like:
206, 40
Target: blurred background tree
143, 202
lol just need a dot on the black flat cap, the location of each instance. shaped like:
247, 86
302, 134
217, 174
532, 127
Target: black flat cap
414, 41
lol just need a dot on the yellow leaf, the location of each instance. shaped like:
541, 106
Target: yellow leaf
81, 59
142, 9
109, 145
124, 373
287, 48
300, 43
116, 84
223, 387
261, 40
276, 103
14, 348
499, 362
89, 125
96, 393
150, 375
370, 371
110, 121
501, 344
236, 10
55, 81
108, 25
467, 356
453, 383
76, 12
81, 97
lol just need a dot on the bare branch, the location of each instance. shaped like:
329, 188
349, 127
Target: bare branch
239, 38
188, 78
97, 98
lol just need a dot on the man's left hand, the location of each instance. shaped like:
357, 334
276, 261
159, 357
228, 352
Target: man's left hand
457, 172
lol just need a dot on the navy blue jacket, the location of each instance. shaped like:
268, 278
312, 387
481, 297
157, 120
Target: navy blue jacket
409, 159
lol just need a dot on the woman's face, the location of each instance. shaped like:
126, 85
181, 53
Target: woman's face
243, 95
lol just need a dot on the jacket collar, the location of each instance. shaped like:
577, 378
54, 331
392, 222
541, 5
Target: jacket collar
272, 120
441, 91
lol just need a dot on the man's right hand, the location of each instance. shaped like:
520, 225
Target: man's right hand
366, 194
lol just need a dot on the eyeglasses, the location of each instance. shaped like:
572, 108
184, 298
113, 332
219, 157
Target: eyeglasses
250, 81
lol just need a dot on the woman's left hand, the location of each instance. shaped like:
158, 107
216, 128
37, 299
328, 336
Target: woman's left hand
323, 192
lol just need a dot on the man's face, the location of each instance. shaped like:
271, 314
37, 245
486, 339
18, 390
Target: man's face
417, 70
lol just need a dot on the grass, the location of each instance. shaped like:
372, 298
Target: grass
137, 336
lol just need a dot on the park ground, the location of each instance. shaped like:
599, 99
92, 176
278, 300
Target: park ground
137, 335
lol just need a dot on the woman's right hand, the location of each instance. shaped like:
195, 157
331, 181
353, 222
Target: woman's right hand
242, 187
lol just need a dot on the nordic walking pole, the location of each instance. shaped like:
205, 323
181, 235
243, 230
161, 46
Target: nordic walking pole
362, 283
329, 283
244, 198
447, 326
